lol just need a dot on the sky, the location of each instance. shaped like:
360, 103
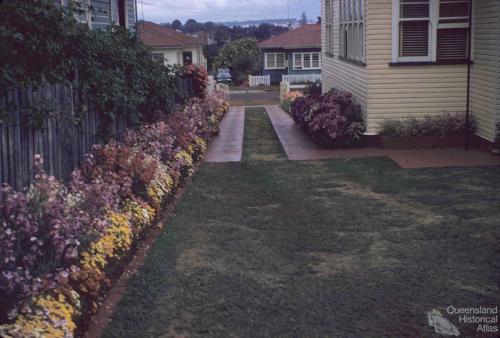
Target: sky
162, 11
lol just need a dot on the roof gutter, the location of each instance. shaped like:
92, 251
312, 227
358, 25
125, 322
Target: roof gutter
290, 47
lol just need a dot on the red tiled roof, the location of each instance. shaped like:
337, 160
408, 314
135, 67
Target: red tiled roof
302, 37
154, 35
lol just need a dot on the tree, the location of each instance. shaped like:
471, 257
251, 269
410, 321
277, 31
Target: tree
209, 26
211, 52
222, 34
263, 31
240, 56
244, 65
177, 25
303, 19
192, 26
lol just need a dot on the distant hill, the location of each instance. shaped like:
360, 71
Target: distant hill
276, 22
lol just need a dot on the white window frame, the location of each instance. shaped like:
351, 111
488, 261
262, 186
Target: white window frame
352, 18
302, 67
434, 25
329, 27
275, 56
158, 55
87, 16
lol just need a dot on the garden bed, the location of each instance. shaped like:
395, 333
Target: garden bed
421, 142
430, 132
65, 244
331, 120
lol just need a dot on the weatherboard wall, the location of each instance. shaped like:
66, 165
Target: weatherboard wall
105, 12
485, 83
398, 92
395, 92
337, 73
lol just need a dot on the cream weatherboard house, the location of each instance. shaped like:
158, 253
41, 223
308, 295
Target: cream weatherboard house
403, 58
170, 46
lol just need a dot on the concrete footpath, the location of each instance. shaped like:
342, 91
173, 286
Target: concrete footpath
228, 145
299, 147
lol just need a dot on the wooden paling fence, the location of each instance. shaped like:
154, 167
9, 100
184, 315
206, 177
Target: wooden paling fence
56, 123
50, 121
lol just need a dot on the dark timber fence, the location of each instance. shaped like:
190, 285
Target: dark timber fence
55, 122
48, 120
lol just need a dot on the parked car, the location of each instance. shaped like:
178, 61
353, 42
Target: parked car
223, 75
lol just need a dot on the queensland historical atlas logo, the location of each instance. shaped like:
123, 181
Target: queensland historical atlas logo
485, 319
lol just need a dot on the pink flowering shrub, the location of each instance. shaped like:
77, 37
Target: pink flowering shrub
65, 239
199, 76
332, 119
41, 233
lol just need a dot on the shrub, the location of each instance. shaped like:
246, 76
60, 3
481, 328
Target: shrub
286, 103
314, 89
443, 125
199, 77
44, 43
331, 120
240, 56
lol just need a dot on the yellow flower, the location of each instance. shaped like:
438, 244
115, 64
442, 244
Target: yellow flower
201, 145
186, 157
49, 315
140, 216
160, 186
113, 244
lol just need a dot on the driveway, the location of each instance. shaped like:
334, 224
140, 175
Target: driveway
254, 97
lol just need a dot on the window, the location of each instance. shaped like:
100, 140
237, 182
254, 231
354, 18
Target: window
328, 27
275, 61
351, 29
83, 10
159, 57
306, 61
122, 13
430, 30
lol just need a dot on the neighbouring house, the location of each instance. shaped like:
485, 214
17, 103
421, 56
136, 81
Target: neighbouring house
295, 52
409, 58
100, 14
170, 46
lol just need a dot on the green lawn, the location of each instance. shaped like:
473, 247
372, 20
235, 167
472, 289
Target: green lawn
259, 133
275, 248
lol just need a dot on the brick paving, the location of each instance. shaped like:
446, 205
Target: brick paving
228, 145
299, 147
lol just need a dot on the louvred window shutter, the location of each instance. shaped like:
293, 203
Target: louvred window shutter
414, 38
452, 43
453, 30
414, 28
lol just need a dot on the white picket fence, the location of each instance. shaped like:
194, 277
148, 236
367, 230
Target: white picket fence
223, 90
255, 81
217, 88
301, 78
286, 87
211, 85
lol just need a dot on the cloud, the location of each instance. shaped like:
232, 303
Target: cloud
224, 10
